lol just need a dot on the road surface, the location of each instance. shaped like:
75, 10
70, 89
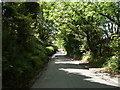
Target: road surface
63, 72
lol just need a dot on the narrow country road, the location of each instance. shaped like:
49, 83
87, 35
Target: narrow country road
63, 72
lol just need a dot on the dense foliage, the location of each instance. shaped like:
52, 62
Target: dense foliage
24, 43
89, 30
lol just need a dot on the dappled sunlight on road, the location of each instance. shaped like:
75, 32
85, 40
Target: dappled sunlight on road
90, 76
77, 68
66, 62
64, 72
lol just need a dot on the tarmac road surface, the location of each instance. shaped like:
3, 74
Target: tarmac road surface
63, 72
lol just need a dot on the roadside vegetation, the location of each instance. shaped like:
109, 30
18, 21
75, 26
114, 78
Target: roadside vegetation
33, 31
26, 45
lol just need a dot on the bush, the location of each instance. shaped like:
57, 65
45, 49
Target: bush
51, 50
55, 48
22, 62
95, 61
113, 64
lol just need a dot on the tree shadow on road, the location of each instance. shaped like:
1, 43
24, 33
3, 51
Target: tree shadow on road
62, 72
79, 77
78, 73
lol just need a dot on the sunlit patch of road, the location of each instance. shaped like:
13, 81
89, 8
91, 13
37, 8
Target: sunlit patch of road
63, 72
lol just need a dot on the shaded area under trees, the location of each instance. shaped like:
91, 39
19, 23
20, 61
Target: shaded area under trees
32, 29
